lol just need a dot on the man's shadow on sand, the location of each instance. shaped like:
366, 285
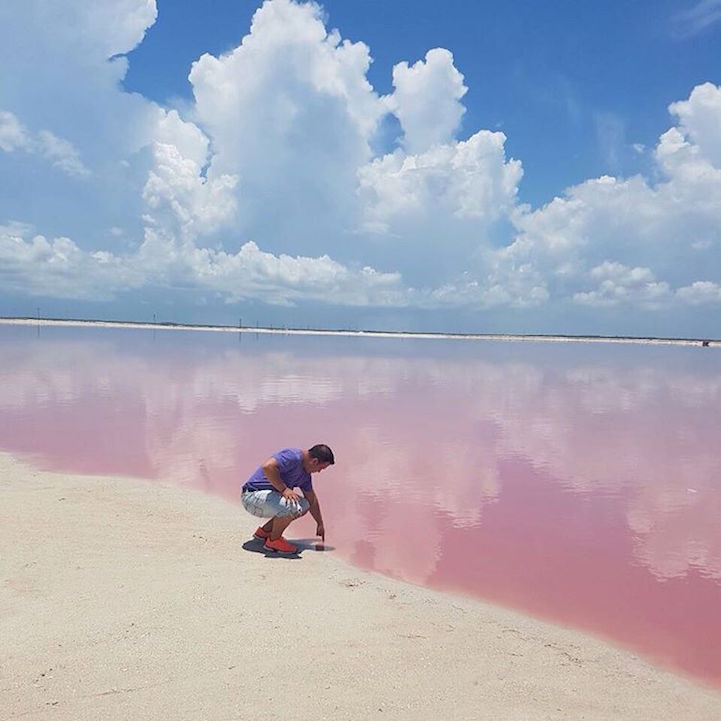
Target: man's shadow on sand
256, 545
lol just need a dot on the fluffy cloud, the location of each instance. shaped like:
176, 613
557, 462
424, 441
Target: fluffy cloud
58, 268
291, 113
467, 179
433, 214
700, 292
283, 279
68, 60
629, 234
700, 120
426, 100
618, 284
176, 185
129, 20
58, 151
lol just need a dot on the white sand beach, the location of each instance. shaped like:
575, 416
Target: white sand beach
125, 599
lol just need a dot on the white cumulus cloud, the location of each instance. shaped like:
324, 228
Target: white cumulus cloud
614, 241
426, 100
59, 268
700, 120
291, 113
467, 179
619, 283
700, 292
175, 184
58, 151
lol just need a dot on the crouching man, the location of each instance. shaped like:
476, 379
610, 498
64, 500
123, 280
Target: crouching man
270, 493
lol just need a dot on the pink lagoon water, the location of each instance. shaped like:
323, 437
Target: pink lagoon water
578, 483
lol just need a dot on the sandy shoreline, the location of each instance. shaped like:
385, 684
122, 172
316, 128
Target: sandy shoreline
708, 343
121, 599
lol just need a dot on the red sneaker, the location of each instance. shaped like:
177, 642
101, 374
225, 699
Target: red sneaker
280, 545
260, 534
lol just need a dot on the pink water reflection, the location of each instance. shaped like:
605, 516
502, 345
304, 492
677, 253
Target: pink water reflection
581, 484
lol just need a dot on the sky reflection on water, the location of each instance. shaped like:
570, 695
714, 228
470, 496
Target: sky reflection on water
579, 483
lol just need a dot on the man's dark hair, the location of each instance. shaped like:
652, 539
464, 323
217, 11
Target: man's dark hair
322, 452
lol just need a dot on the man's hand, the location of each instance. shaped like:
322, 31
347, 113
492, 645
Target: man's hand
320, 531
292, 497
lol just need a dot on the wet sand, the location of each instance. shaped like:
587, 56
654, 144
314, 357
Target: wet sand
124, 599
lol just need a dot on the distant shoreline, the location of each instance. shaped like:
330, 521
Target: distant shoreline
704, 342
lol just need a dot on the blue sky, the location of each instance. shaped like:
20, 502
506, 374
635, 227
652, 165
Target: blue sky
528, 167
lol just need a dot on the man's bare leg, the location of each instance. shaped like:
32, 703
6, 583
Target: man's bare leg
278, 524
268, 527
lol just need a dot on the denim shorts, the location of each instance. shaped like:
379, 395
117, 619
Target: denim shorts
268, 504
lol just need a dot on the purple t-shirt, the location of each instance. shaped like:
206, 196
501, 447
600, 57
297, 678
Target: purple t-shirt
290, 463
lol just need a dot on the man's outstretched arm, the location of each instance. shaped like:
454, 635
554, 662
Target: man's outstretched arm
314, 511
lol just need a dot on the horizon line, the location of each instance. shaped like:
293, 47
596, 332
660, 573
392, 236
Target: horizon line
367, 333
